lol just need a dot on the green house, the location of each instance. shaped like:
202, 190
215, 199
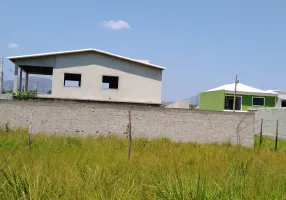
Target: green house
221, 98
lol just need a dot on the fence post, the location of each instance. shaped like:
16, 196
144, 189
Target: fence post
276, 138
129, 135
260, 135
30, 132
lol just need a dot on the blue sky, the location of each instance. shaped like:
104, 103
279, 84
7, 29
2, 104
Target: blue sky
203, 44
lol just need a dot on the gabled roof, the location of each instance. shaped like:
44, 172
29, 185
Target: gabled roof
244, 89
13, 58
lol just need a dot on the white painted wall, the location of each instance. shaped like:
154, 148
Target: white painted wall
278, 103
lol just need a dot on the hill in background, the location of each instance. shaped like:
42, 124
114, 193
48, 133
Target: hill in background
44, 84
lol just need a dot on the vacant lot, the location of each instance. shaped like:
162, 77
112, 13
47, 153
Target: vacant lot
98, 168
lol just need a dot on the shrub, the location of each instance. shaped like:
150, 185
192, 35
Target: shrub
25, 95
7, 92
192, 107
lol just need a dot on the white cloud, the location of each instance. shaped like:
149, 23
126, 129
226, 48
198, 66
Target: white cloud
13, 46
116, 25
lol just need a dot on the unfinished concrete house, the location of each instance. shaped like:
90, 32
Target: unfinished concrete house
92, 74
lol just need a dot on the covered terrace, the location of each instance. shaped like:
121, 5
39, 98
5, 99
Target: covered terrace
36, 65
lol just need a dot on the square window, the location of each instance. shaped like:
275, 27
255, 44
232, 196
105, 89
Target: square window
72, 80
110, 82
258, 101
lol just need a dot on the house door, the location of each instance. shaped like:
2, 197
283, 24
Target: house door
229, 103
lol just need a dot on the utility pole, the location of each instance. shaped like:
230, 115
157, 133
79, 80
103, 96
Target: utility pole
234, 96
1, 76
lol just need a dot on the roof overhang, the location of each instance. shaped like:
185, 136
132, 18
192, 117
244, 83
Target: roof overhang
37, 70
251, 93
13, 58
282, 97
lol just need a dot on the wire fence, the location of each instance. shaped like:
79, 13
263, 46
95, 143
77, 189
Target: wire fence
273, 128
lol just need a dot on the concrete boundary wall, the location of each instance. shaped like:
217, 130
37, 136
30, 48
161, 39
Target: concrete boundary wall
270, 117
83, 118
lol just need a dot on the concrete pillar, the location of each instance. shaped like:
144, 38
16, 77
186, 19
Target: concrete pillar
20, 81
36, 85
15, 87
278, 102
26, 81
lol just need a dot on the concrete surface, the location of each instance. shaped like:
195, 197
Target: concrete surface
270, 117
180, 104
6, 96
149, 122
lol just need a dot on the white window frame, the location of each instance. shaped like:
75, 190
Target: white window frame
237, 96
259, 98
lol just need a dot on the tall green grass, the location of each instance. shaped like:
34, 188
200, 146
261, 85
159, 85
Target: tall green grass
98, 168
269, 143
